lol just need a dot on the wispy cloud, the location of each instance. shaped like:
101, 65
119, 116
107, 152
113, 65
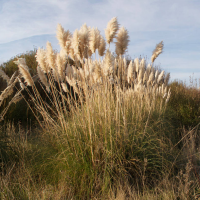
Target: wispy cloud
148, 22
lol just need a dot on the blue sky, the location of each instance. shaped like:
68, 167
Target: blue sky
29, 24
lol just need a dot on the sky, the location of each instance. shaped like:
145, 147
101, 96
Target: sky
29, 24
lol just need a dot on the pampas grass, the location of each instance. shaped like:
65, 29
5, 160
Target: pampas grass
76, 44
50, 56
108, 63
102, 118
102, 46
7, 92
136, 63
64, 38
160, 77
168, 95
41, 59
94, 39
111, 30
122, 81
43, 78
60, 62
84, 34
157, 51
122, 41
24, 71
130, 72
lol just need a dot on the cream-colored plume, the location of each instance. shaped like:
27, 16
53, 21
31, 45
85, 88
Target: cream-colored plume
108, 63
76, 43
60, 62
41, 59
130, 72
63, 37
24, 71
50, 55
160, 77
43, 78
94, 39
84, 35
136, 63
102, 46
122, 41
157, 51
111, 30
64, 87
7, 92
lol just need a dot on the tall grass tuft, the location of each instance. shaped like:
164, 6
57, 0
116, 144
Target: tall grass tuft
102, 119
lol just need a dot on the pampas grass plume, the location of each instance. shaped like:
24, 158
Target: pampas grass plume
151, 77
102, 46
84, 35
142, 65
140, 76
157, 51
136, 63
111, 30
109, 60
41, 59
168, 95
60, 62
148, 70
122, 41
51, 57
130, 71
64, 87
76, 43
7, 92
160, 77
24, 71
63, 36
43, 78
156, 76
55, 75
145, 77
94, 39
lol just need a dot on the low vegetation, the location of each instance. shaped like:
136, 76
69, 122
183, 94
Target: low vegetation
96, 128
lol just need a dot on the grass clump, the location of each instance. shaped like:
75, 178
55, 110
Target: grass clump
105, 126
